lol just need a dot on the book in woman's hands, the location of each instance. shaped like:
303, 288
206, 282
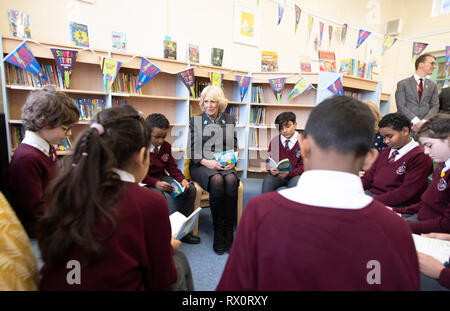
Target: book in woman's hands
182, 225
283, 166
177, 188
226, 157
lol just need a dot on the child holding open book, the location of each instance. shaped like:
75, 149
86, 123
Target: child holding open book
284, 146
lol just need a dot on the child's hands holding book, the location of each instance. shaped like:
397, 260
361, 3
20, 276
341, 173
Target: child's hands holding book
164, 186
185, 184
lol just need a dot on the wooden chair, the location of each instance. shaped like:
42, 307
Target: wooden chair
202, 197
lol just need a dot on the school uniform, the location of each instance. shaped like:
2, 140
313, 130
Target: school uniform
162, 161
281, 148
32, 167
402, 181
433, 210
323, 234
137, 255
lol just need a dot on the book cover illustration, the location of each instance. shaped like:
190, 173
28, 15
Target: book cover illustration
79, 34
20, 24
361, 70
170, 49
327, 61
347, 66
177, 188
277, 85
193, 53
182, 225
283, 166
226, 157
269, 61
65, 60
119, 40
305, 64
216, 57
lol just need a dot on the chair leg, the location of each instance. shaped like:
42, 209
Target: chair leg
198, 198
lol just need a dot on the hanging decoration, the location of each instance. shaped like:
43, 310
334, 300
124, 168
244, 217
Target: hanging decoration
65, 60
344, 32
298, 13
277, 85
300, 87
336, 87
23, 58
330, 34
387, 43
310, 25
447, 57
321, 25
281, 4
216, 78
243, 83
417, 49
110, 68
362, 36
188, 78
147, 72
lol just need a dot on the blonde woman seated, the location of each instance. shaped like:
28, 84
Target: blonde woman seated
211, 132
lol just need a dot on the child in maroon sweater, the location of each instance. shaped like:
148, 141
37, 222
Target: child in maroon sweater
325, 233
101, 230
284, 146
399, 175
47, 118
162, 161
432, 213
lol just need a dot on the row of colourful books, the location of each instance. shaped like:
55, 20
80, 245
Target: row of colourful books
234, 111
199, 85
258, 115
126, 83
65, 145
257, 95
253, 140
18, 76
356, 95
18, 133
356, 68
88, 108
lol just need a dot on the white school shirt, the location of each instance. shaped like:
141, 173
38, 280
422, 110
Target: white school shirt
124, 175
404, 150
416, 120
292, 140
34, 140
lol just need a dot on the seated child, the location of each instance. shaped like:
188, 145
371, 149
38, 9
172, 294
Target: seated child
432, 213
399, 175
162, 161
284, 146
325, 233
47, 118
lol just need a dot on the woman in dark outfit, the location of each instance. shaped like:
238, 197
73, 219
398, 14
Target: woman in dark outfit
213, 132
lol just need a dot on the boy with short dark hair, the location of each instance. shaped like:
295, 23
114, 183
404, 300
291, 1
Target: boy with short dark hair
399, 175
47, 118
325, 233
162, 161
284, 146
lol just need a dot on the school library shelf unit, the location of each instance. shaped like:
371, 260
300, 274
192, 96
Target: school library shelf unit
166, 93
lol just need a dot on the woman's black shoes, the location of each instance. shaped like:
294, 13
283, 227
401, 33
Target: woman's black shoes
228, 238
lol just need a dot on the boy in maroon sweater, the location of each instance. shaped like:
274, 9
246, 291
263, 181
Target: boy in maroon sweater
284, 146
400, 173
162, 161
325, 233
47, 118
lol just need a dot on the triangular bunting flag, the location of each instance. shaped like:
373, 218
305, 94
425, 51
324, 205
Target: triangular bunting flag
188, 78
344, 32
387, 43
321, 25
447, 57
281, 4
110, 68
147, 72
277, 85
330, 34
216, 78
417, 49
301, 86
23, 58
243, 83
65, 60
298, 13
310, 25
362, 36
337, 87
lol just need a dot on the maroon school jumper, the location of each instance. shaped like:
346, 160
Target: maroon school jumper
401, 182
434, 208
159, 162
292, 154
29, 173
285, 245
138, 255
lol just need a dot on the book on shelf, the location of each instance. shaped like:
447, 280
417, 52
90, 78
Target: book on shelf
119, 41
119, 102
226, 157
258, 115
269, 61
361, 73
216, 57
355, 95
193, 53
283, 165
126, 83
20, 24
88, 108
327, 61
170, 49
17, 135
257, 95
177, 188
253, 140
199, 85
305, 64
79, 34
182, 225
233, 110
347, 66
18, 76
439, 249
65, 145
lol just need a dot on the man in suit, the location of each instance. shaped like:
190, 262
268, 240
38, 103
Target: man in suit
444, 100
417, 96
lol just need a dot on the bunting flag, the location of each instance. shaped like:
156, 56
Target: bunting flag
301, 86
447, 57
188, 78
65, 60
243, 83
281, 4
147, 72
23, 58
216, 78
330, 34
277, 85
344, 32
417, 49
321, 25
337, 87
257, 2
362, 36
110, 68
310, 25
387, 43
298, 14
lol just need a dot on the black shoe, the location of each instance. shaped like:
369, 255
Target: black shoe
191, 239
219, 243
228, 237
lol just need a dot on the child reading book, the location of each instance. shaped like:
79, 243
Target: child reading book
179, 193
284, 147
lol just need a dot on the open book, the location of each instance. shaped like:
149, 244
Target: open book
177, 188
439, 249
182, 225
226, 157
283, 166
